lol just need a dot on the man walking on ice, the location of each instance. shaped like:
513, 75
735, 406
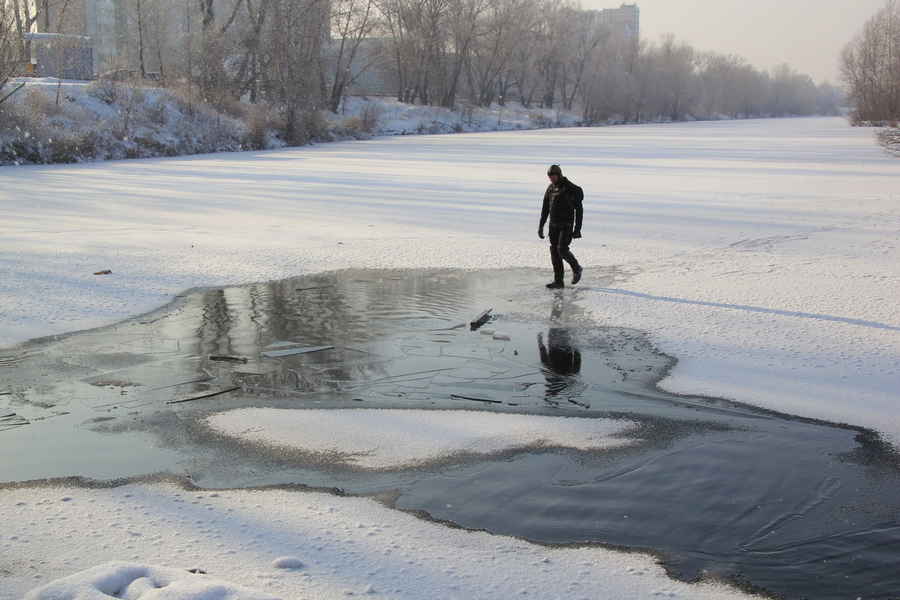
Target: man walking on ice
562, 203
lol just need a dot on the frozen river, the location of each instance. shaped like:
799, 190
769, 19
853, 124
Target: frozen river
750, 267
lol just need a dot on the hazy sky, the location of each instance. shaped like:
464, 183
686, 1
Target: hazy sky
809, 34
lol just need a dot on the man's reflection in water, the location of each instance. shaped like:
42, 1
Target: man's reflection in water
561, 360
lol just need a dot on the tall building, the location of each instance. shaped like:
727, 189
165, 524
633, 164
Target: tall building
625, 20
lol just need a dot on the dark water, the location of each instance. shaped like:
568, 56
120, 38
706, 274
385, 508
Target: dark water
790, 506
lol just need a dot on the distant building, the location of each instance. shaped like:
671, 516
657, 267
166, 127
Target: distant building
104, 22
625, 20
60, 55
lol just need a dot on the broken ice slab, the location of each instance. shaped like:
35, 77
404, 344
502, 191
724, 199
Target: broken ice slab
281, 344
209, 394
293, 351
486, 385
12, 421
226, 358
474, 399
481, 319
254, 370
451, 328
284, 344
165, 387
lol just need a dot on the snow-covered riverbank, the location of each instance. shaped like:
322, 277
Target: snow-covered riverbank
48, 121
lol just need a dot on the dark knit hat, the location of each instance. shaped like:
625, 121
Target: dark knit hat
554, 170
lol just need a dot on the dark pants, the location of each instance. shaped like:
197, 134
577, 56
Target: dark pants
560, 238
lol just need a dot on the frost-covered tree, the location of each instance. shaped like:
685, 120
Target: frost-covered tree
352, 22
723, 82
871, 67
290, 52
829, 99
793, 93
587, 40
10, 51
505, 28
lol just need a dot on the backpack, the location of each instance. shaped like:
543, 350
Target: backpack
579, 193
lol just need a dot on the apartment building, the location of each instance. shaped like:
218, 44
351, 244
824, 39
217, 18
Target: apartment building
625, 20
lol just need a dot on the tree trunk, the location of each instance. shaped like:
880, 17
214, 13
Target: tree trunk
140, 24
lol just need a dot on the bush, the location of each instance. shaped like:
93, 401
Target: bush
352, 127
40, 104
13, 120
432, 127
370, 116
316, 125
259, 122
156, 113
540, 120
66, 148
235, 109
105, 91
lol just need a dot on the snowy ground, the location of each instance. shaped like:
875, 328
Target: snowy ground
347, 547
764, 255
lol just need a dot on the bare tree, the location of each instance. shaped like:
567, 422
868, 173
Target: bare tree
589, 37
677, 70
417, 33
292, 46
609, 87
432, 34
506, 27
9, 50
398, 24
352, 21
792, 93
465, 25
24, 18
871, 67
550, 39
210, 53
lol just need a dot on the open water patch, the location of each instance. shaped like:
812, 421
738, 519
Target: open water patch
794, 507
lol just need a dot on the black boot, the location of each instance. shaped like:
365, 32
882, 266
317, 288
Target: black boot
576, 275
556, 285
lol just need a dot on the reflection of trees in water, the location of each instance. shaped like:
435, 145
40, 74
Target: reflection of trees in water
334, 309
315, 311
212, 330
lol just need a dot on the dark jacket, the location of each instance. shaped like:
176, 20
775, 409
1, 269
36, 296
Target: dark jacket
563, 204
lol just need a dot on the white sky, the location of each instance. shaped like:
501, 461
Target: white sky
809, 34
